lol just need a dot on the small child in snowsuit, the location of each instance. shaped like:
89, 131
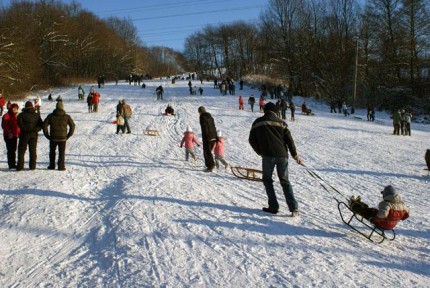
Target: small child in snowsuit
120, 124
189, 140
218, 150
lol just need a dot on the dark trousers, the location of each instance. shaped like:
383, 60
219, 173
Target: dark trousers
31, 142
363, 210
11, 145
207, 153
120, 128
61, 154
281, 164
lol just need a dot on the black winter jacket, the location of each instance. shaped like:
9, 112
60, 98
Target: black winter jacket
208, 127
29, 122
270, 137
58, 121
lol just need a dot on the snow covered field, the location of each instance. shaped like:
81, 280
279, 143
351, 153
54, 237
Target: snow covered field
130, 212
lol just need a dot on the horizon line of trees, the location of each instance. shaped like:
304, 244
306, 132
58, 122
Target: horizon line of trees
378, 53
48, 43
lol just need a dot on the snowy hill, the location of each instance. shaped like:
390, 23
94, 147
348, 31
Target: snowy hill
130, 212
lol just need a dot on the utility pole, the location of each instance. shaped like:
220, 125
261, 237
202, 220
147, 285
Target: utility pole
355, 76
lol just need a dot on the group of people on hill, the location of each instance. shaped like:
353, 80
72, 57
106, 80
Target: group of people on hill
20, 131
402, 122
93, 99
272, 140
269, 137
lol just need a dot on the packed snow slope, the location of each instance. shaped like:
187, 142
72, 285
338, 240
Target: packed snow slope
130, 212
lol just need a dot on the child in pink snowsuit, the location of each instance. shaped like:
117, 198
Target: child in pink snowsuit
218, 150
188, 140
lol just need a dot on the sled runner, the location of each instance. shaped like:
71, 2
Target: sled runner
151, 132
368, 230
247, 173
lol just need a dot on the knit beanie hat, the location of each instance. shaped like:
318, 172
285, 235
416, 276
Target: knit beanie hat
60, 105
14, 105
388, 190
189, 129
218, 133
270, 107
28, 104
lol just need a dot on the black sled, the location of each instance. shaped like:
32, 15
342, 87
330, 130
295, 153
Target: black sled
366, 229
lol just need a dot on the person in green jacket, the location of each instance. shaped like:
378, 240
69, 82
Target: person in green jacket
58, 121
397, 118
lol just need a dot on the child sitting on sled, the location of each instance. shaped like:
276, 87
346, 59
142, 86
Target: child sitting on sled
218, 150
189, 140
389, 211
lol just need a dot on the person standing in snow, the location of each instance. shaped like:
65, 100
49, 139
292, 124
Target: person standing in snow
241, 103
81, 93
2, 103
293, 110
209, 136
30, 124
251, 102
126, 113
389, 212
11, 134
271, 139
188, 141
219, 151
37, 104
57, 122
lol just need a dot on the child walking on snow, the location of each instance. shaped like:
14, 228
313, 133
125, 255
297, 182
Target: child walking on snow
218, 150
120, 124
189, 140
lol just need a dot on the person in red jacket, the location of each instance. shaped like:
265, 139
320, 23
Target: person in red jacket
11, 133
2, 103
389, 212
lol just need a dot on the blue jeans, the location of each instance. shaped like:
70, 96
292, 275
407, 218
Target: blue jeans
281, 164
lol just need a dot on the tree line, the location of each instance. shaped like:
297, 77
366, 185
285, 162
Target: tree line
373, 53
50, 43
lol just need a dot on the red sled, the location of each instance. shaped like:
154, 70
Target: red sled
114, 122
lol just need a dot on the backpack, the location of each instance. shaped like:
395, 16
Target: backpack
127, 111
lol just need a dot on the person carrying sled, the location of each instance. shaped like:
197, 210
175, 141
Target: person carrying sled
389, 212
271, 139
189, 140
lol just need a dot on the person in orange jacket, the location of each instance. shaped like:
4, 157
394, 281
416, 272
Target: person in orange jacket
96, 101
241, 102
261, 103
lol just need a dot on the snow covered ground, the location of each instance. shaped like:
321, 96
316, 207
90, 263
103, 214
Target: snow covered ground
130, 212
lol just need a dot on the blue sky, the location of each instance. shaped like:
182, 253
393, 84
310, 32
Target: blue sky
169, 22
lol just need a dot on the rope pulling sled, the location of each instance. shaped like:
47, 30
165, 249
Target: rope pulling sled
376, 234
